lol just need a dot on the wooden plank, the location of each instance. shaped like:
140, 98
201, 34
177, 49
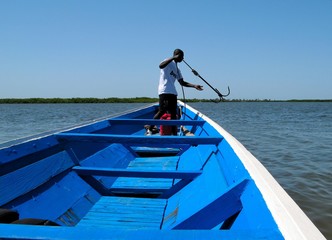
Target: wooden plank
164, 191
126, 121
19, 231
217, 211
118, 172
126, 213
156, 151
137, 139
175, 188
127, 184
155, 163
139, 190
34, 148
25, 179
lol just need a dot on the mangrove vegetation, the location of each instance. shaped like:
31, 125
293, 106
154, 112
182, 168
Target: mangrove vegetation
134, 100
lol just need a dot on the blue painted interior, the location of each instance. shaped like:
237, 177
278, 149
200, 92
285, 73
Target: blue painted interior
37, 180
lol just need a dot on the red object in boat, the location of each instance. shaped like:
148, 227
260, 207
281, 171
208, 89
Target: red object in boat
165, 130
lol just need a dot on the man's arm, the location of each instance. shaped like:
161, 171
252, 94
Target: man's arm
176, 58
186, 84
164, 63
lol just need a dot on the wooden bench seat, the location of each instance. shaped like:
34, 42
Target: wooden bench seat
137, 140
185, 176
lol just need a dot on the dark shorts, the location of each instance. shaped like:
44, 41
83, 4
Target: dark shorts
167, 104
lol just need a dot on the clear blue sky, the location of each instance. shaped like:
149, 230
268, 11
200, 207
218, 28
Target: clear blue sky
262, 49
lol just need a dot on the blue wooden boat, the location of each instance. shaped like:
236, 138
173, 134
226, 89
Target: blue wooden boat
107, 179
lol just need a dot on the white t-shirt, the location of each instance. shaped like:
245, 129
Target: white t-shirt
168, 75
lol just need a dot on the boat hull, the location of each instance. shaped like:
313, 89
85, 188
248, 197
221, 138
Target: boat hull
107, 179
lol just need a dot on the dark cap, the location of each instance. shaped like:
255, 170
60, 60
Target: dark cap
177, 52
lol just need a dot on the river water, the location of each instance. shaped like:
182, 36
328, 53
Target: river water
292, 140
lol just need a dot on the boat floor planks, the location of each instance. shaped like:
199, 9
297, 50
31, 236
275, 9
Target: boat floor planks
125, 213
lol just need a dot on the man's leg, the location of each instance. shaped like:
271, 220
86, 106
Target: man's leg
173, 110
163, 103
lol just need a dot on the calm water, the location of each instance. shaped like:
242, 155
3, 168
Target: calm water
292, 140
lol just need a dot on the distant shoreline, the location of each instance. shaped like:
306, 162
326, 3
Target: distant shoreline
134, 100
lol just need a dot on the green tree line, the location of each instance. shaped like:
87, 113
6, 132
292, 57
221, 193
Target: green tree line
134, 100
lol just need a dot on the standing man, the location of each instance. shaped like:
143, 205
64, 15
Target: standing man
169, 72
